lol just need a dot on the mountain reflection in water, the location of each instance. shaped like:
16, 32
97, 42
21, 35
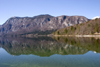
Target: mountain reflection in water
92, 44
45, 46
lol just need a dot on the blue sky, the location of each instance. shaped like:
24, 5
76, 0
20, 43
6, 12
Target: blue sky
30, 8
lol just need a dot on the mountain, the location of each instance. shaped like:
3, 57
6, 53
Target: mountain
89, 28
24, 25
0, 25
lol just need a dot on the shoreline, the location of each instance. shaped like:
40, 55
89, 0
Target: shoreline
80, 35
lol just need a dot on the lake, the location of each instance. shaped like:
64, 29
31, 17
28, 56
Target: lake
50, 52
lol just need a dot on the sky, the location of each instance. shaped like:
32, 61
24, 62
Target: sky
30, 8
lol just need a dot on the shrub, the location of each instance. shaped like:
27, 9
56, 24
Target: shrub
57, 32
57, 38
96, 27
96, 18
78, 28
65, 30
72, 27
89, 25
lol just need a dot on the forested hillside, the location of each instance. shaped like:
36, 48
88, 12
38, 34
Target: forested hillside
88, 28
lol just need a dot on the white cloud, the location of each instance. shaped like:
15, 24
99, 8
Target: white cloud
96, 17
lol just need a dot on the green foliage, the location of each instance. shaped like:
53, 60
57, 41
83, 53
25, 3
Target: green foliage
57, 38
89, 25
96, 18
57, 32
78, 28
72, 27
66, 40
96, 43
96, 27
78, 43
73, 42
66, 31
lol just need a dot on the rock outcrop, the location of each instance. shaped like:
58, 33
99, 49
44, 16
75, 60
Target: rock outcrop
21, 25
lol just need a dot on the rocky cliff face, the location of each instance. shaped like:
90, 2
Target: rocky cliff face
0, 25
20, 25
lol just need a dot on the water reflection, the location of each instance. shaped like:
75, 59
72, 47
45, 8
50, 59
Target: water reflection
92, 44
48, 52
43, 46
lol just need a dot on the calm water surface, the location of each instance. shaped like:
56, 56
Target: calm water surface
48, 52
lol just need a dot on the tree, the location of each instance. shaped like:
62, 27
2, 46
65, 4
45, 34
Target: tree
57, 32
71, 27
65, 30
78, 28
96, 27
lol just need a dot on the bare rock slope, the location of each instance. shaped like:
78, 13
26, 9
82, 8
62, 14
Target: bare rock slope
21, 25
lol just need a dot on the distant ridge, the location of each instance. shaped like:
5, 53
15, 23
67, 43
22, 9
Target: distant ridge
26, 25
